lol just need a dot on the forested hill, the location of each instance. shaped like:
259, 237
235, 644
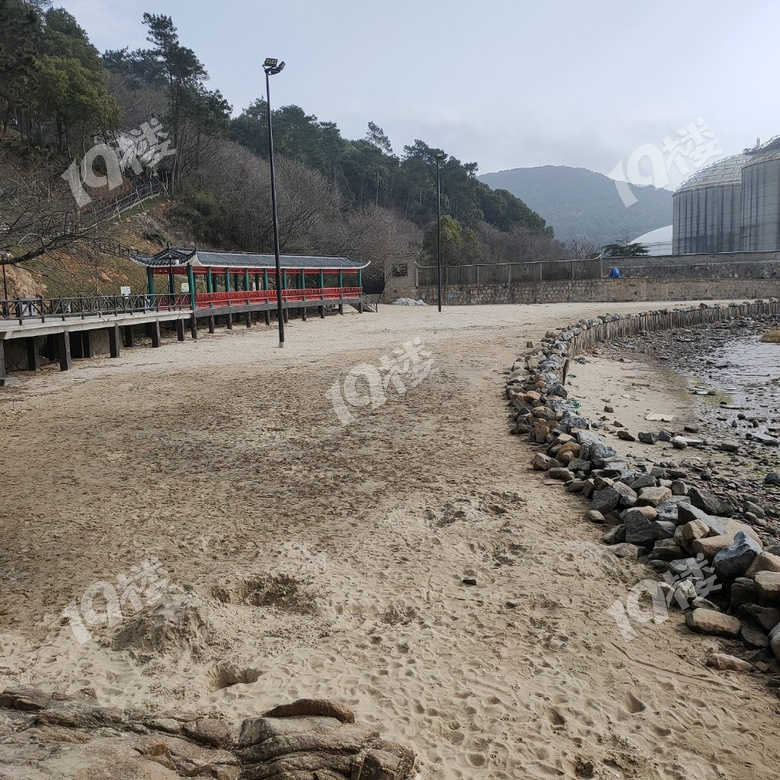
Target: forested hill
577, 202
151, 112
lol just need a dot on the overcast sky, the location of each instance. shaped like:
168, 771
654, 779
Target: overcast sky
504, 83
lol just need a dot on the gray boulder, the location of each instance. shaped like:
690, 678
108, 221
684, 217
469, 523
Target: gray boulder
735, 560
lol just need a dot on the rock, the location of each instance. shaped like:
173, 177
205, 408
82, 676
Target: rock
772, 479
608, 409
605, 500
743, 591
679, 443
624, 435
560, 473
679, 488
695, 529
594, 448
734, 560
594, 516
542, 462
209, 731
768, 588
711, 545
666, 550
664, 529
764, 561
653, 496
24, 697
774, 640
615, 535
705, 621
709, 502
513, 603
469, 580
647, 438
766, 617
687, 512
728, 446
78, 715
640, 530
753, 637
642, 482
729, 663
625, 550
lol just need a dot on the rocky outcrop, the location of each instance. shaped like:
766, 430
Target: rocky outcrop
313, 739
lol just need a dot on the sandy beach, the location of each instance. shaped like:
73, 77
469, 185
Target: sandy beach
306, 558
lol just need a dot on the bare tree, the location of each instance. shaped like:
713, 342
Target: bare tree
582, 247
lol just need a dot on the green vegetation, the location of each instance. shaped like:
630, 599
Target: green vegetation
625, 250
59, 97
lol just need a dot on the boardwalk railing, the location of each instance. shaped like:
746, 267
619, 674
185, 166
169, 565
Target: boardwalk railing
43, 309
21, 309
514, 273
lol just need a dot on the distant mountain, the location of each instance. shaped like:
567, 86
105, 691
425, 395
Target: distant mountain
579, 202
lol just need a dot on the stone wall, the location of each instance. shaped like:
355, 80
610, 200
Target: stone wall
605, 290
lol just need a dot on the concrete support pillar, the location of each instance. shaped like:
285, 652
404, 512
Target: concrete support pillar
33, 357
229, 321
212, 324
267, 314
180, 330
2, 363
248, 316
155, 333
87, 346
322, 312
341, 308
303, 314
194, 327
129, 338
63, 349
285, 315
114, 341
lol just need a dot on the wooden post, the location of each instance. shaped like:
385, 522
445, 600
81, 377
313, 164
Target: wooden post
180, 330
2, 363
114, 341
341, 308
286, 317
209, 281
322, 312
155, 333
63, 348
212, 324
229, 321
267, 314
194, 326
248, 317
129, 338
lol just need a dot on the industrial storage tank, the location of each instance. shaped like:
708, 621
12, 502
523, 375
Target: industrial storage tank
707, 209
761, 199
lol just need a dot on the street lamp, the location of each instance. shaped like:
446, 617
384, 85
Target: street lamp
271, 67
439, 157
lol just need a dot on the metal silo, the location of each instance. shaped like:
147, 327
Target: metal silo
761, 199
708, 209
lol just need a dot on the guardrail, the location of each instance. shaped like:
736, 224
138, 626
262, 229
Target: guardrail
81, 307
248, 297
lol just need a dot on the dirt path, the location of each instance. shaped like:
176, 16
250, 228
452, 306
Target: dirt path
311, 559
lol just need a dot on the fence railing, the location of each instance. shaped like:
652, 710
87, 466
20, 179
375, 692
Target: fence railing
514, 273
41, 309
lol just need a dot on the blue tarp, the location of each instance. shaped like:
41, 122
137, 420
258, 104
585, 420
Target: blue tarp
614, 273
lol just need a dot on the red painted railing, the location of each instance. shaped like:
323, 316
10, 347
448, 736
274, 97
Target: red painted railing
247, 298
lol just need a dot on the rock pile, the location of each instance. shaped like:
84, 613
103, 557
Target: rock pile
709, 548
55, 736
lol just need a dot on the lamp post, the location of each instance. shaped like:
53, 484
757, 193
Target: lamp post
439, 157
271, 67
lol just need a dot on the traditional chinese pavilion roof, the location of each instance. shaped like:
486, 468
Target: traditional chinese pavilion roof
201, 257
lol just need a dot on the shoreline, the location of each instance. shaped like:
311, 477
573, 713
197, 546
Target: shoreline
225, 459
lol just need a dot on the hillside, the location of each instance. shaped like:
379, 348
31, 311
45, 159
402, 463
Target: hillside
579, 202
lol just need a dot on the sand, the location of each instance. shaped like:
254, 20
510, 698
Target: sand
307, 558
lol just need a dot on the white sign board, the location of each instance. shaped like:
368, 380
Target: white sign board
185, 287
125, 291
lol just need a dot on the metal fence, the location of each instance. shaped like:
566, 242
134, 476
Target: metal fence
41, 309
514, 273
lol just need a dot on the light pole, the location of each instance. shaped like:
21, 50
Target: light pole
271, 67
439, 157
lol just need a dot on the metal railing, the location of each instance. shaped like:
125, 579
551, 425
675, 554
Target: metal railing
81, 307
514, 273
